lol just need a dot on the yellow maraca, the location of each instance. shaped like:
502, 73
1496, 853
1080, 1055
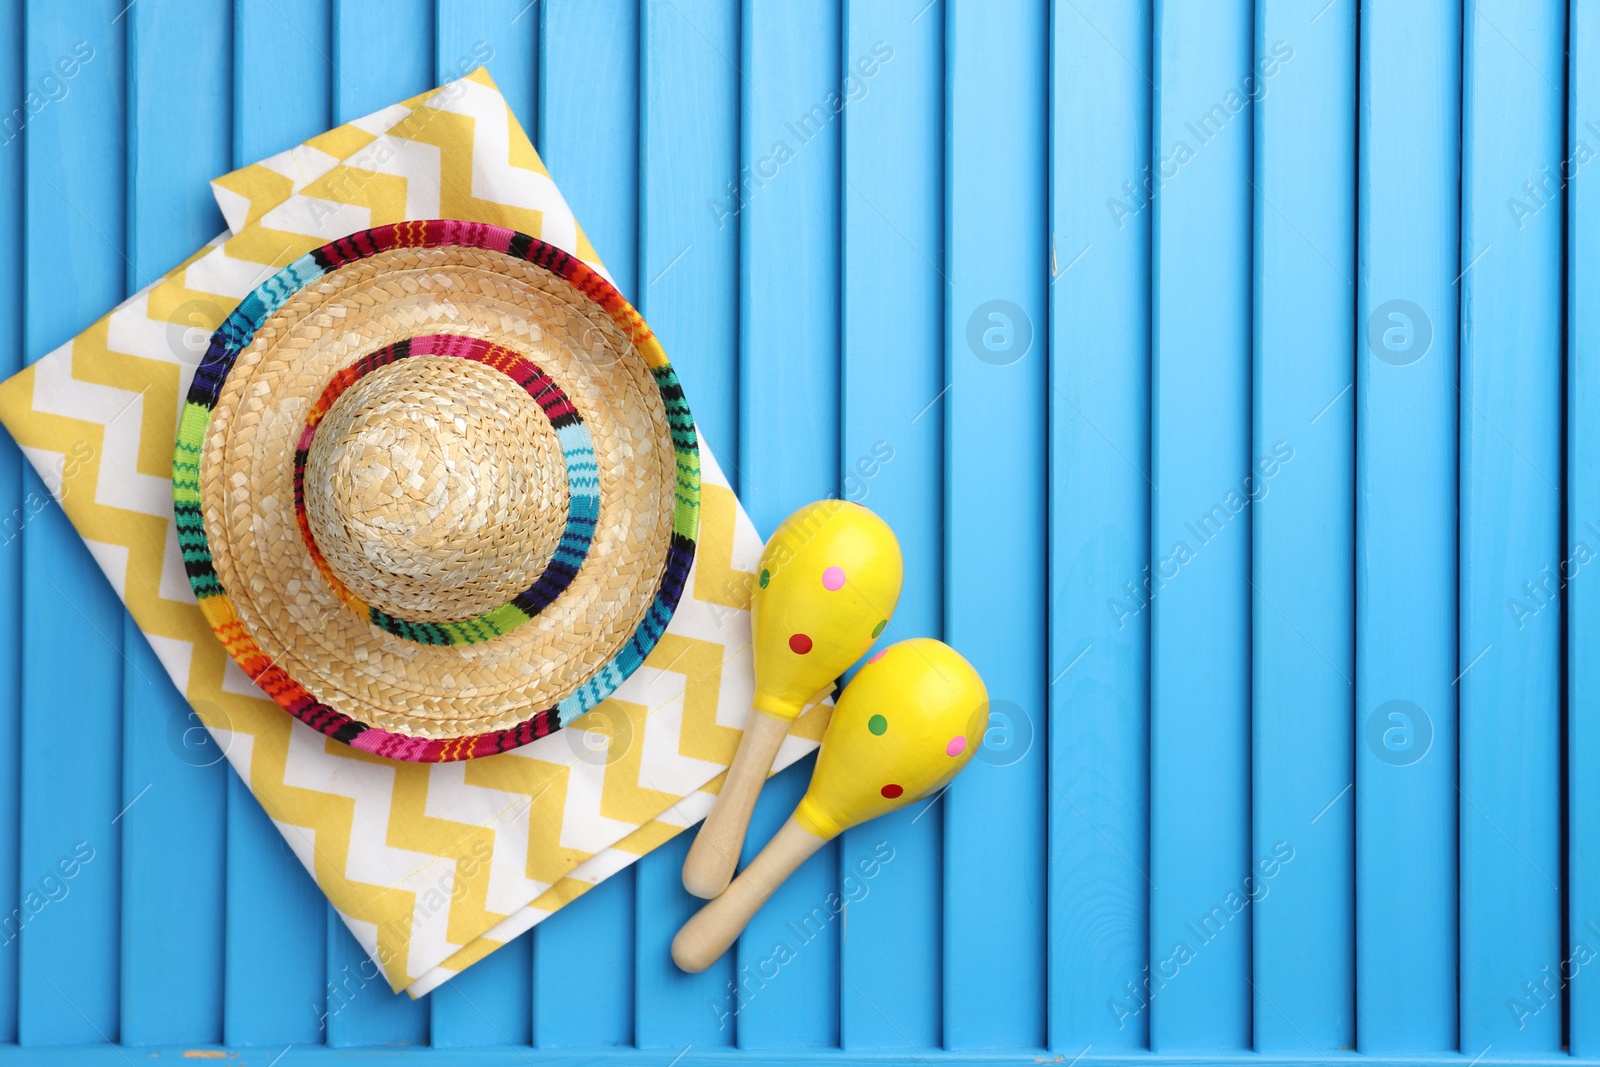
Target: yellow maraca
907, 723
828, 583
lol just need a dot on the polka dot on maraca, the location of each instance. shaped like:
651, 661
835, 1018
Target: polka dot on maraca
766, 576
799, 644
957, 745
876, 656
891, 791
878, 629
878, 724
833, 579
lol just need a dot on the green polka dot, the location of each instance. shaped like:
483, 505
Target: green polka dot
877, 724
878, 629
766, 576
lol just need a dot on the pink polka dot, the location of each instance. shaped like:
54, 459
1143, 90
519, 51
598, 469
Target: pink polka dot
891, 791
957, 745
876, 656
799, 644
833, 579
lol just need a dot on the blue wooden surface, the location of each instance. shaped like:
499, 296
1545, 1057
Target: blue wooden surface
1202, 472
1303, 683
1322, 780
1583, 526
1099, 518
1511, 402
1408, 190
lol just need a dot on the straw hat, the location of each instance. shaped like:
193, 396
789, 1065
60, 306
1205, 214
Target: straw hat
437, 489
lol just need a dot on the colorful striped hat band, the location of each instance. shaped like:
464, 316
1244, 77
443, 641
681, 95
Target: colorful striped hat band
437, 489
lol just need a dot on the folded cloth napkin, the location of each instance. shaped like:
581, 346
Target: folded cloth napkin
432, 866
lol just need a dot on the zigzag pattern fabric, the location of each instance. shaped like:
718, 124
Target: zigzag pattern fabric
379, 837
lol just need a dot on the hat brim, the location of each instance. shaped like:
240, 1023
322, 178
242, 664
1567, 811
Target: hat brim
259, 585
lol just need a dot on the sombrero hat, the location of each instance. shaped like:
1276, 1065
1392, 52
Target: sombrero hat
437, 489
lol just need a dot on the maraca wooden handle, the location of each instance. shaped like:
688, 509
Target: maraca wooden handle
715, 852
706, 936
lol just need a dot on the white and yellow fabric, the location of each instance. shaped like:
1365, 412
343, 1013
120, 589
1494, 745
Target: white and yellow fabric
432, 866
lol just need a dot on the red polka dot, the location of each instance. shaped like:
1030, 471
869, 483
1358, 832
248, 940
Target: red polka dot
891, 791
799, 644
876, 656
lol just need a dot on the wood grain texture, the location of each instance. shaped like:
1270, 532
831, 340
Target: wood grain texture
996, 322
892, 395
788, 186
1583, 528
74, 236
1406, 510
1302, 586
1200, 843
1513, 125
689, 291
1099, 863
13, 502
174, 782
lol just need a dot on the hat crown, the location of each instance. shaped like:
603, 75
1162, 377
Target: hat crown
432, 491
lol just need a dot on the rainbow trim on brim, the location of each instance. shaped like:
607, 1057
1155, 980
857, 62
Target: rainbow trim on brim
236, 333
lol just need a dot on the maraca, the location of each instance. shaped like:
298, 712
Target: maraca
904, 726
828, 583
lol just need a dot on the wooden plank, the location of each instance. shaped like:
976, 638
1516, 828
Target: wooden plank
492, 1002
1583, 529
789, 446
892, 208
14, 501
689, 293
1303, 534
1200, 935
1405, 793
1513, 124
1100, 526
274, 988
358, 1009
179, 137
383, 52
502, 35
996, 244
588, 130
74, 237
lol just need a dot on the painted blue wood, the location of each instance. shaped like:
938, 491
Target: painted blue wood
1513, 125
275, 945
1099, 526
73, 248
1406, 400
14, 503
892, 393
179, 92
1200, 844
588, 136
996, 323
789, 445
502, 35
688, 285
1303, 86
1582, 546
